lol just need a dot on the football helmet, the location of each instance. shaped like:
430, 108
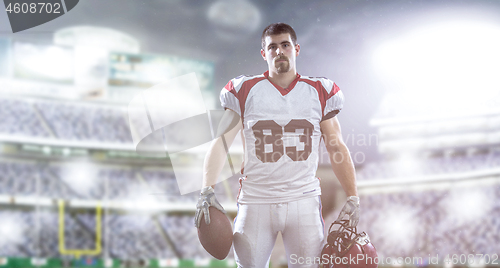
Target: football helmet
346, 248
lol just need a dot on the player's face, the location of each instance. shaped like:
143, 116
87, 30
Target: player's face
280, 53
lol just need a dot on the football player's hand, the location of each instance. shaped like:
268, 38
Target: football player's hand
207, 199
351, 209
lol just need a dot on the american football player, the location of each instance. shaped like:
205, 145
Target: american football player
283, 116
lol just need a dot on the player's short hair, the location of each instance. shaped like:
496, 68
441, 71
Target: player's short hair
278, 28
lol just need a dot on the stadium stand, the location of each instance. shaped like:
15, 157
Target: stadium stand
422, 223
126, 234
85, 122
424, 166
19, 118
60, 120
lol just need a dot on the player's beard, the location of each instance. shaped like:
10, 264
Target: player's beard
282, 66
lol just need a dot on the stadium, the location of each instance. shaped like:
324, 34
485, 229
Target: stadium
422, 121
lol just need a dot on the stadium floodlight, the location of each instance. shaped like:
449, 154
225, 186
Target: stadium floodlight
106, 38
80, 176
442, 64
145, 197
233, 20
66, 151
399, 225
11, 231
467, 205
50, 63
407, 163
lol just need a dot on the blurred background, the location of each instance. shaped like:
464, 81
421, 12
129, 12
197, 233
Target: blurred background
421, 118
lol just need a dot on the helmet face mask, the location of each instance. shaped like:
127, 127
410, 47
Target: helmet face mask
345, 244
342, 240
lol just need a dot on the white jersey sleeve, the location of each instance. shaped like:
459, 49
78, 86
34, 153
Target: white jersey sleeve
228, 98
334, 100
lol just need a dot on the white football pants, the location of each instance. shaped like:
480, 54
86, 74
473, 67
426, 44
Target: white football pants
257, 225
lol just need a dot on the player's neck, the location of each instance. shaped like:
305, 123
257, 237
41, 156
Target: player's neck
282, 79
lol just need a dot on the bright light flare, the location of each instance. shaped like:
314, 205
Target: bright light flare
407, 164
469, 204
81, 177
398, 224
11, 230
51, 62
447, 59
144, 197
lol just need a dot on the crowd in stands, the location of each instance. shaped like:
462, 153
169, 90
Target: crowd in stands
434, 222
420, 166
69, 121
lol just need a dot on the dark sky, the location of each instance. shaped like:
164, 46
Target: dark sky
337, 38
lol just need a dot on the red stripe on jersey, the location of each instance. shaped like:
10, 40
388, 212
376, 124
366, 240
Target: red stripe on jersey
242, 94
283, 91
334, 91
241, 185
322, 93
230, 87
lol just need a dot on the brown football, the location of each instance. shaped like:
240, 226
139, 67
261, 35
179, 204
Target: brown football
216, 237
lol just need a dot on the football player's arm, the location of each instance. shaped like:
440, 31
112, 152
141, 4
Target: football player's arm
216, 156
340, 158
214, 162
343, 168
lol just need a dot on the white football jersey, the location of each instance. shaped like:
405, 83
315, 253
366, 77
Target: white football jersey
281, 129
